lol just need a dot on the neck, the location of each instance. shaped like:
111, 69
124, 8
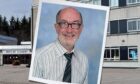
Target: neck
68, 47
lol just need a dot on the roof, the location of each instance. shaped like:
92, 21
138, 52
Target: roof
8, 40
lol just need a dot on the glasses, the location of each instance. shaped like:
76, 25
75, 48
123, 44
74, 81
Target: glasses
73, 25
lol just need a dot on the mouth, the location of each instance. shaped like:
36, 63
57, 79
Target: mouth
69, 35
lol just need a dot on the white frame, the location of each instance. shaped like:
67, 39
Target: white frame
113, 59
108, 28
128, 52
109, 53
128, 3
113, 5
138, 24
37, 26
137, 29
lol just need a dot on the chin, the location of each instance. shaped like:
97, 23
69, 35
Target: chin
68, 42
71, 42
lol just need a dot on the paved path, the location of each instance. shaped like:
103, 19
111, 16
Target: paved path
10, 74
121, 76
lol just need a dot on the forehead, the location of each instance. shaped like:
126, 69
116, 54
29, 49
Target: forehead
69, 14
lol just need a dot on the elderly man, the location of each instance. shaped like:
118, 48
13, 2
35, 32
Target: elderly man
60, 60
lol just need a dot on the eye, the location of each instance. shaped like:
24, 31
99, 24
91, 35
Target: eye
63, 24
76, 23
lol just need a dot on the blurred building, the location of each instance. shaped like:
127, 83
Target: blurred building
11, 52
123, 34
7, 40
123, 43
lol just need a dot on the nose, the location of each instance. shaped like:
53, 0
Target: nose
69, 29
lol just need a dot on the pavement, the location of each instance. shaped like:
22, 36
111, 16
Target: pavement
10, 74
121, 76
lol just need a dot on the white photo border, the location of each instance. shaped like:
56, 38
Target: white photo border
76, 4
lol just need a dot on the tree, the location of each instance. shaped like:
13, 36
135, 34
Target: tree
24, 21
25, 28
12, 22
17, 24
5, 26
28, 29
0, 23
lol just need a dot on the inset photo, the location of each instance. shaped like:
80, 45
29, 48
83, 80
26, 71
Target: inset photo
69, 43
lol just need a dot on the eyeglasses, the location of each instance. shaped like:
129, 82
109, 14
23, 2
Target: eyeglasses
73, 25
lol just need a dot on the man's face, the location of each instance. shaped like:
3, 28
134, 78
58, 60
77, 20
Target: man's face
68, 27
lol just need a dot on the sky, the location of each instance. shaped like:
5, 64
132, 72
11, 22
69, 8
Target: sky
16, 8
91, 38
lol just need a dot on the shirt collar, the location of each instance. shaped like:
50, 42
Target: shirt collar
60, 50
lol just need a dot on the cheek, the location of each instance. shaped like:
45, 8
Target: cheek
60, 31
78, 32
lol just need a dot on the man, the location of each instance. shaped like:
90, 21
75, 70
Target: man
60, 60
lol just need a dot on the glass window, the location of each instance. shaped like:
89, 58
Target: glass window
107, 54
81, 1
132, 26
112, 54
113, 3
138, 1
138, 24
132, 54
108, 28
96, 2
131, 1
115, 54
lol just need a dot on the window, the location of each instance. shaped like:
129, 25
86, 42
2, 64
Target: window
112, 54
108, 28
138, 1
121, 53
132, 54
114, 27
97, 2
115, 54
113, 3
81, 1
138, 24
133, 2
107, 54
133, 25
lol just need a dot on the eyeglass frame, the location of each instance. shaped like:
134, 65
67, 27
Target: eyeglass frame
66, 24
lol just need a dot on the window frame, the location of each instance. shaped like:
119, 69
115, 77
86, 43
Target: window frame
108, 28
114, 6
105, 54
129, 53
137, 25
110, 58
136, 2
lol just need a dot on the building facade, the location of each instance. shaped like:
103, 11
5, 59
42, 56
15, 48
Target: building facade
11, 53
122, 42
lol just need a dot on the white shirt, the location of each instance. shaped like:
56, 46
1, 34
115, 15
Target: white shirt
50, 62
